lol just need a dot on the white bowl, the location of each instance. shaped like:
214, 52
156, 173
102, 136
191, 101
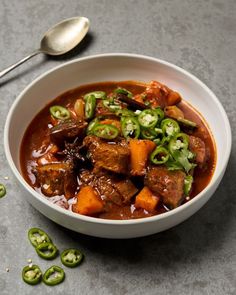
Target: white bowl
116, 67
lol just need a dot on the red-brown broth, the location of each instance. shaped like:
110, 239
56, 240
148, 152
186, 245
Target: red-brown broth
33, 146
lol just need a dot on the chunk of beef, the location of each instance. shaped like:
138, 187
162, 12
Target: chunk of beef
197, 146
111, 188
66, 131
169, 184
56, 179
109, 156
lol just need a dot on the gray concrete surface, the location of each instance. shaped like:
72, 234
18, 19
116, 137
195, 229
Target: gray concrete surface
196, 257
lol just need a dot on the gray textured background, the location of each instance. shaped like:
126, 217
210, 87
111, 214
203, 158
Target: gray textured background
196, 257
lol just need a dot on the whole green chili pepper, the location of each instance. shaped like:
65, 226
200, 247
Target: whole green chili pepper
71, 257
32, 275
47, 251
38, 236
59, 112
54, 276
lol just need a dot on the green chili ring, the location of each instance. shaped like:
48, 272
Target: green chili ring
90, 105
130, 127
159, 156
123, 91
71, 257
97, 94
37, 236
54, 276
47, 251
92, 125
105, 131
3, 190
179, 142
170, 127
59, 112
148, 118
32, 275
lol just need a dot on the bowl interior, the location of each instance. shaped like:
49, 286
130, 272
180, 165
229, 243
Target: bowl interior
116, 67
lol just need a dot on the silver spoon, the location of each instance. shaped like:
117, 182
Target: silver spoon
58, 40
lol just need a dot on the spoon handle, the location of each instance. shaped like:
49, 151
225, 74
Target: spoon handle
8, 69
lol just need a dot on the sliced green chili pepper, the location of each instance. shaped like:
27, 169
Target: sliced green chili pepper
2, 190
32, 275
47, 251
91, 126
106, 131
159, 156
148, 118
148, 134
111, 105
123, 91
160, 114
38, 236
59, 112
54, 276
170, 127
71, 257
90, 105
179, 142
125, 113
188, 181
187, 123
97, 94
130, 127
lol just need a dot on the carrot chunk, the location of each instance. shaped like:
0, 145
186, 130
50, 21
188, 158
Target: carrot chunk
146, 200
139, 153
173, 98
88, 202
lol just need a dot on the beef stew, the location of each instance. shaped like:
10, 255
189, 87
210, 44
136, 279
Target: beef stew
118, 150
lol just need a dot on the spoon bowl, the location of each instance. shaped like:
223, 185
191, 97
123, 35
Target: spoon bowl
64, 36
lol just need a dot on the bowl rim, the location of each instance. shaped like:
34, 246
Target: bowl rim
124, 222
